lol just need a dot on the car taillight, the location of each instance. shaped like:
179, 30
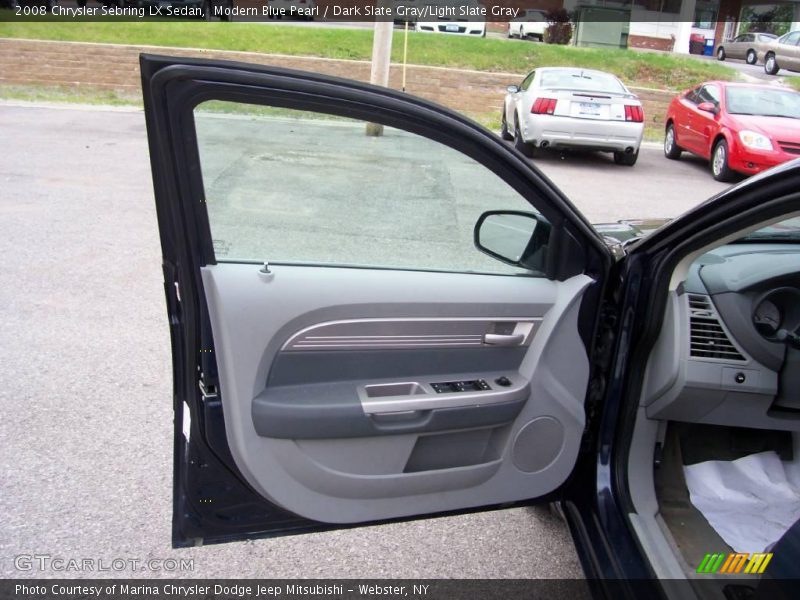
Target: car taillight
544, 106
634, 113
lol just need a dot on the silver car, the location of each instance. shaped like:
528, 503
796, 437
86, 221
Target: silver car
784, 53
749, 46
558, 107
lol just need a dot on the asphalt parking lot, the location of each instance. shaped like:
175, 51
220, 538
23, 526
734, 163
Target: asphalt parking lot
87, 422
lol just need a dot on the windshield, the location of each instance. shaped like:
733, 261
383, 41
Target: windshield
582, 80
784, 230
764, 101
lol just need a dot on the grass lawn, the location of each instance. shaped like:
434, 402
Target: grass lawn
487, 54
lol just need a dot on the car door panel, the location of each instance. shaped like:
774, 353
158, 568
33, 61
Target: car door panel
686, 135
297, 439
311, 393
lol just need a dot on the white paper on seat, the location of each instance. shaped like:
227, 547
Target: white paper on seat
750, 502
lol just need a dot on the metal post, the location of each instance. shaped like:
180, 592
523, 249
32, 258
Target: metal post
381, 55
405, 55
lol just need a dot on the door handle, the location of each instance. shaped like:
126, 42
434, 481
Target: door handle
496, 339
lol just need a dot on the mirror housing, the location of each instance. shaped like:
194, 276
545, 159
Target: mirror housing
516, 238
708, 107
512, 89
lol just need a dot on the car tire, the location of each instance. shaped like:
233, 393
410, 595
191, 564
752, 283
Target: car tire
671, 148
719, 163
504, 132
627, 159
771, 65
519, 143
751, 58
720, 53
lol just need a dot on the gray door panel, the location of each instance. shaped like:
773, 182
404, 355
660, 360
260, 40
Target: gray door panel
341, 434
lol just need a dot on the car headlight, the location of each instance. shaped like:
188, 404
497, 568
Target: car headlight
753, 139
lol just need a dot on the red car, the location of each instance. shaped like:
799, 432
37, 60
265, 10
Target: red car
740, 128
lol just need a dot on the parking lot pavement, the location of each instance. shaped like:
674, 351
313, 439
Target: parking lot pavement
86, 443
653, 188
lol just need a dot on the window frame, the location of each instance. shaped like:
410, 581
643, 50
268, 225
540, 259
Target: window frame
575, 246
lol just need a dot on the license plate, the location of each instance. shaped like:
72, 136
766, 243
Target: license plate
589, 108
451, 28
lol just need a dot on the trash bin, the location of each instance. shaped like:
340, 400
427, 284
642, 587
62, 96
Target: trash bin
709, 49
697, 43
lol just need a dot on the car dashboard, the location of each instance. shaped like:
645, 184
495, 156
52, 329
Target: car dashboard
727, 353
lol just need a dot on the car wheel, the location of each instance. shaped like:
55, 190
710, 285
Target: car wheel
771, 65
207, 10
721, 53
719, 162
519, 143
626, 158
671, 148
751, 57
50, 5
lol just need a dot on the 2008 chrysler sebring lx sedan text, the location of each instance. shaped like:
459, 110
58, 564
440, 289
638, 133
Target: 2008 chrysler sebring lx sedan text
347, 350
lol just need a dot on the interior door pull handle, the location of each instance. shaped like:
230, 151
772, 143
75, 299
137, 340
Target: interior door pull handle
495, 339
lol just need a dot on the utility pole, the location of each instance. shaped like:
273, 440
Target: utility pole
381, 55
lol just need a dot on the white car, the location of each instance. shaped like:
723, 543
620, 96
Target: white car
464, 27
456, 18
556, 107
530, 25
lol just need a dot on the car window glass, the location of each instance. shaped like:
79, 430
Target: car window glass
763, 101
792, 38
692, 96
709, 93
289, 186
526, 83
581, 80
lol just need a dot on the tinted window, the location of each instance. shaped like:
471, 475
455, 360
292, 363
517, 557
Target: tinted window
693, 96
581, 80
526, 83
289, 186
708, 93
763, 101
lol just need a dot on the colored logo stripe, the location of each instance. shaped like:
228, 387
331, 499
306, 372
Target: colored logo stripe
734, 563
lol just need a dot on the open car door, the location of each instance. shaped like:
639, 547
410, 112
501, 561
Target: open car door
346, 349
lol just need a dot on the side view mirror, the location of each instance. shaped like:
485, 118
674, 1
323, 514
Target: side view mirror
707, 107
516, 238
512, 89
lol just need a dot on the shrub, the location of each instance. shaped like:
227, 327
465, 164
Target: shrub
559, 28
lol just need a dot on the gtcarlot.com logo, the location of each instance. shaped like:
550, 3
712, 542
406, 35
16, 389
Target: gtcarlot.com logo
48, 562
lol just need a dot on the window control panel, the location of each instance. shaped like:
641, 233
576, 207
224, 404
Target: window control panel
446, 387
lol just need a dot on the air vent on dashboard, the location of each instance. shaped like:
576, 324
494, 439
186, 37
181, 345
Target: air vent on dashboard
707, 337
